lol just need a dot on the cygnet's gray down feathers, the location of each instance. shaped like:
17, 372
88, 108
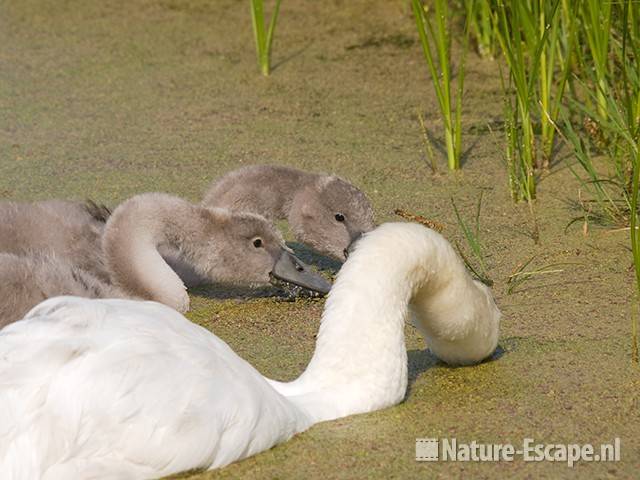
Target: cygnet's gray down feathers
26, 281
324, 211
222, 247
66, 229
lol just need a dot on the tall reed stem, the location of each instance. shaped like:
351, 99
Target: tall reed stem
263, 35
596, 19
436, 43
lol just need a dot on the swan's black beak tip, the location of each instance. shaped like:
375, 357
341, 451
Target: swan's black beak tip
290, 269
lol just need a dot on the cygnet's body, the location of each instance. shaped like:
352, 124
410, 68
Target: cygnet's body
324, 211
26, 281
221, 246
70, 231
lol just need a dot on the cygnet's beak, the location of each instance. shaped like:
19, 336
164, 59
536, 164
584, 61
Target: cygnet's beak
290, 269
349, 249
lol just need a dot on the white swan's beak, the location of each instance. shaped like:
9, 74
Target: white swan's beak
290, 269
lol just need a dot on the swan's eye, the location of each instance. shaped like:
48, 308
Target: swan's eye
257, 242
339, 217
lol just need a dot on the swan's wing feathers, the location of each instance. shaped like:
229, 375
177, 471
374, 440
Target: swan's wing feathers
118, 382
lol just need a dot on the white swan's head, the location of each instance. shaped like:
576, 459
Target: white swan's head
330, 214
456, 315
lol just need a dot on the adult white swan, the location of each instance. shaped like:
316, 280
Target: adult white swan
125, 389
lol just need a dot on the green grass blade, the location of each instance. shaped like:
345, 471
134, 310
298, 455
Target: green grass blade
272, 27
472, 239
435, 43
263, 35
257, 20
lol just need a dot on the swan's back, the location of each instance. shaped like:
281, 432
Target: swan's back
126, 389
64, 228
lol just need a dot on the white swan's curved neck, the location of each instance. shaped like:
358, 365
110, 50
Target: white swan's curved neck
360, 360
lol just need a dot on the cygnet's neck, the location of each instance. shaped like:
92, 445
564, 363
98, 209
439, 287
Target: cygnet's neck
289, 184
360, 361
132, 236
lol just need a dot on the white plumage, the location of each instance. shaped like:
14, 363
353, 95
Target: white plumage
125, 389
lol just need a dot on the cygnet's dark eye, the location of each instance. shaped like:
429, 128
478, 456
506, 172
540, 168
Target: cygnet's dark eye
257, 242
339, 217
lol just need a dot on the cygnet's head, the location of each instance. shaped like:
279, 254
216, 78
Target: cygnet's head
330, 214
245, 248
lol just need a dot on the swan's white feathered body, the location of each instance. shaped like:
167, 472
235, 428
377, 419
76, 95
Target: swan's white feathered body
125, 389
